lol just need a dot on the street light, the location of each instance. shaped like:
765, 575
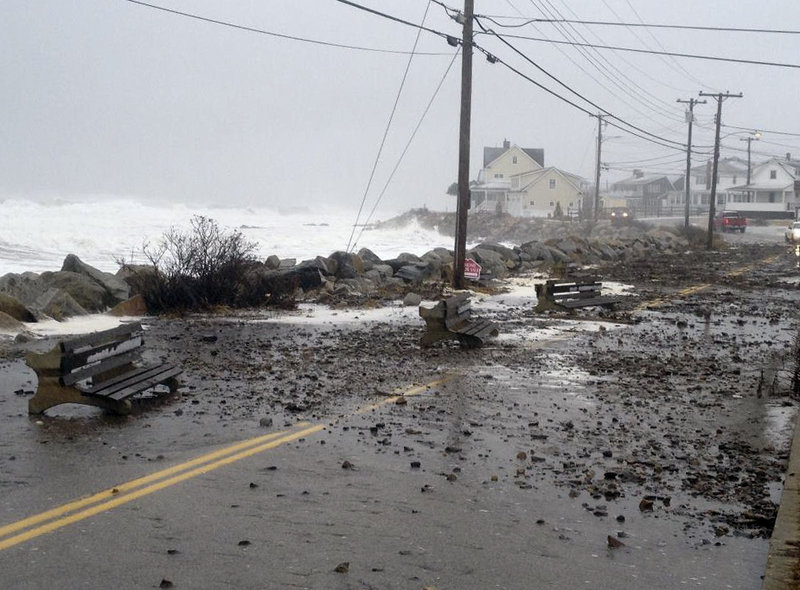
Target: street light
749, 139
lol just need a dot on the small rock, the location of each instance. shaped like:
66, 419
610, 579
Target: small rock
347, 465
646, 505
522, 455
615, 543
401, 400
244, 543
265, 422
342, 568
165, 583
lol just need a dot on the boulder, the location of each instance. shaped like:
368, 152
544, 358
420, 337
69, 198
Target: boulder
137, 276
412, 299
408, 257
88, 293
116, 287
135, 306
320, 263
10, 324
504, 251
415, 273
14, 308
369, 257
24, 287
59, 304
492, 264
385, 270
272, 262
344, 265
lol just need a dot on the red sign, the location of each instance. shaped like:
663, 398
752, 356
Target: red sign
472, 270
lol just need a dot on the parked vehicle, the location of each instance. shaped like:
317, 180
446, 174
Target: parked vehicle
793, 232
729, 221
620, 215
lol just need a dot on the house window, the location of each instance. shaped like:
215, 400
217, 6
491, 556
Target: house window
699, 180
498, 176
532, 203
552, 203
734, 180
514, 159
552, 183
773, 174
772, 196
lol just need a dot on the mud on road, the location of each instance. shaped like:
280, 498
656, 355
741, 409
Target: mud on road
664, 426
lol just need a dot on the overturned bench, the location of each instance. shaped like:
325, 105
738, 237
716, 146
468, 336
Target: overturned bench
100, 369
570, 295
452, 319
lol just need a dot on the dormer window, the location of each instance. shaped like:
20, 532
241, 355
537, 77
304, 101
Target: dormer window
514, 159
773, 174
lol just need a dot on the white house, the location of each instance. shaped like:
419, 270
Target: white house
773, 188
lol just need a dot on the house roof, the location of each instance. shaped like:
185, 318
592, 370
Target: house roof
647, 179
725, 166
759, 187
490, 154
536, 175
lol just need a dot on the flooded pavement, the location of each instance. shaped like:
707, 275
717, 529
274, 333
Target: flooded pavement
643, 448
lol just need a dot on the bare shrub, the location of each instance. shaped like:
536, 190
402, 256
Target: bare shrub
196, 269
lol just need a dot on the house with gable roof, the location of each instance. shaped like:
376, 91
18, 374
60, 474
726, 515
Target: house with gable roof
514, 180
773, 189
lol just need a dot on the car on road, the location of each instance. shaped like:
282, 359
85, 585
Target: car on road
620, 215
792, 233
730, 221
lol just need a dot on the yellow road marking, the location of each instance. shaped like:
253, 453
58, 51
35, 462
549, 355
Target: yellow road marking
105, 500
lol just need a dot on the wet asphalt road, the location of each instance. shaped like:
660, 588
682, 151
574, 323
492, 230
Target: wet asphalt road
458, 488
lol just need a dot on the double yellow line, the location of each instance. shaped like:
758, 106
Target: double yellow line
46, 522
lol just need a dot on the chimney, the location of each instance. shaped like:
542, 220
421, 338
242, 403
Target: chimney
638, 173
506, 144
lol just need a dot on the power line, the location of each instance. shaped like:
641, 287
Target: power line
388, 125
654, 52
610, 71
575, 92
405, 149
762, 130
272, 33
639, 24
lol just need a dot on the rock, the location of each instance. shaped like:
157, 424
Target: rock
166, 583
116, 287
272, 262
344, 265
9, 324
287, 263
88, 293
25, 287
369, 257
412, 299
646, 505
137, 276
414, 273
347, 465
614, 543
59, 305
265, 422
492, 263
14, 308
342, 568
135, 306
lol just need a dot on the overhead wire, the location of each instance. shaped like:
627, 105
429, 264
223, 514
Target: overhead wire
388, 123
575, 92
405, 149
759, 129
610, 70
250, 29
654, 52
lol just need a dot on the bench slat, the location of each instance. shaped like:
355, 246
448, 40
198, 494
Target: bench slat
111, 386
97, 338
589, 302
90, 356
144, 384
110, 363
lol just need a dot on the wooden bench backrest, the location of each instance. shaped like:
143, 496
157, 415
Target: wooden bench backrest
100, 352
566, 290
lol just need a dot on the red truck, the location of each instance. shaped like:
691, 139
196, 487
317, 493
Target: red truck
729, 221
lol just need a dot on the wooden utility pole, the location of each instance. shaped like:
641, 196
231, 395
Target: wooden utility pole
596, 211
463, 146
749, 140
712, 203
690, 119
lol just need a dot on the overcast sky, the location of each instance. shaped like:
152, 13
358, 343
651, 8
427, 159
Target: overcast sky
105, 97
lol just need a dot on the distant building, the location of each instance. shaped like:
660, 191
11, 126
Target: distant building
773, 189
644, 193
514, 180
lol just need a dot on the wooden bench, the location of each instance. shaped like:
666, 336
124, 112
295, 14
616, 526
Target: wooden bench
452, 319
98, 369
569, 295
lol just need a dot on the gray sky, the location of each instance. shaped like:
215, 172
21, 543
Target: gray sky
104, 97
